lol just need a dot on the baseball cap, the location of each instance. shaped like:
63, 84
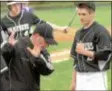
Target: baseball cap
89, 4
46, 31
11, 2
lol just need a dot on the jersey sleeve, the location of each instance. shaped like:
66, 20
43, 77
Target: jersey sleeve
1, 39
3, 65
36, 19
104, 41
3, 26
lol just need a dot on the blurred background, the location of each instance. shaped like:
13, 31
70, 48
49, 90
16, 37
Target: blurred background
61, 13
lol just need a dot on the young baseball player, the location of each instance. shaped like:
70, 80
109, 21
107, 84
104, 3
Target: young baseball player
27, 60
21, 21
91, 51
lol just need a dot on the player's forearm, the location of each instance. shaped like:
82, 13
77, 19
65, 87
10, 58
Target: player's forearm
102, 55
57, 27
89, 54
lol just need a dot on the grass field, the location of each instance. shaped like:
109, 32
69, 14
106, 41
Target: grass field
63, 16
61, 78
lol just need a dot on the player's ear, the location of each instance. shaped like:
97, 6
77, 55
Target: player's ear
92, 14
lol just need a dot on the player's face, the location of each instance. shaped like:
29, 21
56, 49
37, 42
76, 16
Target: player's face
85, 16
16, 8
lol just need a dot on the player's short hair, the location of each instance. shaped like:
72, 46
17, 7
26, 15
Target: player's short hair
90, 6
12, 2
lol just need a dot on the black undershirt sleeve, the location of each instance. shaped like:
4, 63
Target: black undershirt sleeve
37, 20
103, 45
102, 55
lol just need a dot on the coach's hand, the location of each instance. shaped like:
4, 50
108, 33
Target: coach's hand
80, 48
12, 40
35, 51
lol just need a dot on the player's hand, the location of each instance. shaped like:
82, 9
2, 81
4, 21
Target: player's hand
80, 48
35, 51
11, 40
65, 29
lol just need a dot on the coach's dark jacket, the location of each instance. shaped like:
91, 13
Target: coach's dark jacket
24, 69
3, 66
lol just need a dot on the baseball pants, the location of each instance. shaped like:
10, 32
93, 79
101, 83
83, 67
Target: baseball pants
91, 81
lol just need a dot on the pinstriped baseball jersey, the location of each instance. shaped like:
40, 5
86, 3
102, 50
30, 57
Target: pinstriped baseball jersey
95, 38
21, 24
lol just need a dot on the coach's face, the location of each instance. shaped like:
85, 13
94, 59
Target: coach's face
39, 41
85, 16
42, 42
16, 8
